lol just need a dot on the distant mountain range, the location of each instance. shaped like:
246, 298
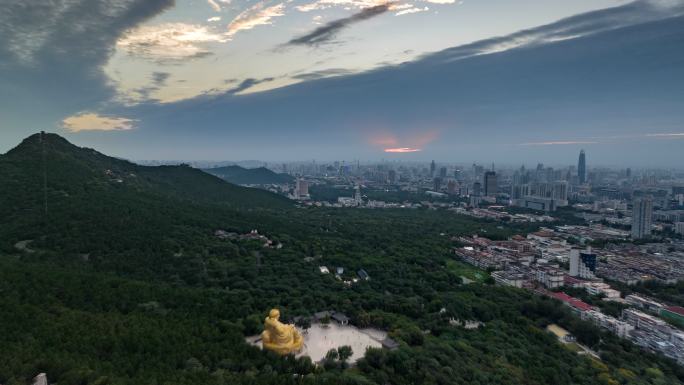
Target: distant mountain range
252, 176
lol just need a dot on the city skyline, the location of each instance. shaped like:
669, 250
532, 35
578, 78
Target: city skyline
437, 164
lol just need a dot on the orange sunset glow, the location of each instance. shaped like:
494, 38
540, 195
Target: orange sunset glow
392, 143
402, 149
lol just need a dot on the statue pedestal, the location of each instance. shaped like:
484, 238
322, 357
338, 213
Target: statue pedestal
319, 339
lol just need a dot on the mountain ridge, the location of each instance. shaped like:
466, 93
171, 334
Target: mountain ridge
72, 201
249, 176
179, 181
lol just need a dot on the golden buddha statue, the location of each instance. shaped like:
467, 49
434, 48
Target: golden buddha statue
279, 337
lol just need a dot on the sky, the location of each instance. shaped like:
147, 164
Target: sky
458, 81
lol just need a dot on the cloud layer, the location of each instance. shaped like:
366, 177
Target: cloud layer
607, 81
640, 11
607, 70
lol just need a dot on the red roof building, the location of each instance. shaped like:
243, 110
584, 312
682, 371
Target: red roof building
571, 301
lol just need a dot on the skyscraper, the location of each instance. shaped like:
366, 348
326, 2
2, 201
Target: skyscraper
582, 168
442, 172
433, 166
490, 186
642, 211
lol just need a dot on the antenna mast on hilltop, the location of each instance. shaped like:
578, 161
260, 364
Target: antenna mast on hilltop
45, 200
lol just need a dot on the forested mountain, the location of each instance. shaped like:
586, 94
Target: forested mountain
125, 282
68, 167
77, 201
240, 175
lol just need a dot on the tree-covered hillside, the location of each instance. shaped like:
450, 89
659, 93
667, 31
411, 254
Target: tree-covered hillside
125, 282
112, 209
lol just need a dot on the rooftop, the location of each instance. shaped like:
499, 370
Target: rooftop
676, 309
572, 301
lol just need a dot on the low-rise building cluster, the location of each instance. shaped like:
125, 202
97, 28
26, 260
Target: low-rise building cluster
592, 232
624, 262
361, 275
631, 264
618, 327
498, 213
654, 334
517, 260
528, 263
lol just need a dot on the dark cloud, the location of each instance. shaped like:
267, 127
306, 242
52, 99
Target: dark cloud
159, 78
157, 81
327, 32
247, 83
241, 86
44, 34
313, 75
52, 52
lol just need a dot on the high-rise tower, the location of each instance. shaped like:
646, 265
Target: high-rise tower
642, 213
582, 168
490, 185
